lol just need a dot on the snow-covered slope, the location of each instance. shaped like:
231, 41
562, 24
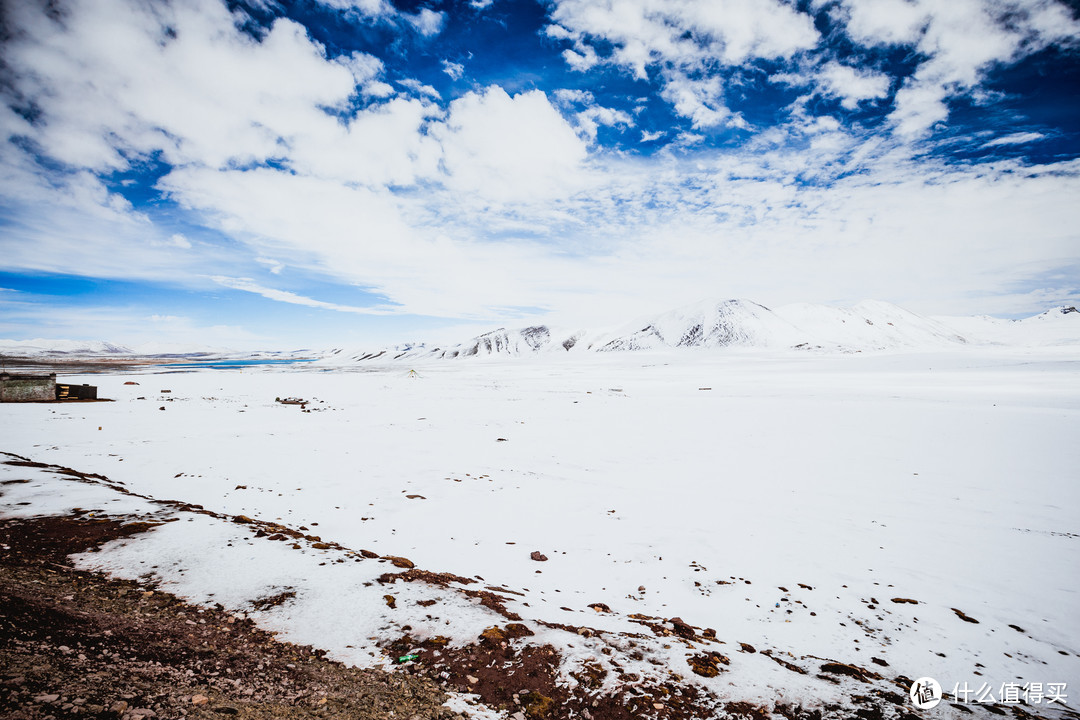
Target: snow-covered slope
512, 343
185, 349
89, 349
738, 323
61, 347
870, 325
497, 343
1058, 326
821, 510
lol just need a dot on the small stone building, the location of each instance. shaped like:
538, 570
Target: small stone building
27, 388
42, 388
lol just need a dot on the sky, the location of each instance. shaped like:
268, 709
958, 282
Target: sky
347, 172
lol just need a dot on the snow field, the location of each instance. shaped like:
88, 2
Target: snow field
947, 478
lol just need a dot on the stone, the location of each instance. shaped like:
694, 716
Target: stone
494, 634
707, 664
538, 556
199, 699
682, 628
966, 618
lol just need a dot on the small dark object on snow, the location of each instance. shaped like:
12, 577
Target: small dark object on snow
538, 556
966, 618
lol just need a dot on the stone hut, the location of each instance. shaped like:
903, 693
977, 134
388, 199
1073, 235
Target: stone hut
27, 388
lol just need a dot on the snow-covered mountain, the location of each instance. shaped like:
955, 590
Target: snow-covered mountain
105, 350
1057, 326
738, 323
61, 347
868, 326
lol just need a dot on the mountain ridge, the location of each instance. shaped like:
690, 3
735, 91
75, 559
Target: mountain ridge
870, 325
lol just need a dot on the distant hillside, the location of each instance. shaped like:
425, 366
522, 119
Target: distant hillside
868, 326
1057, 326
61, 347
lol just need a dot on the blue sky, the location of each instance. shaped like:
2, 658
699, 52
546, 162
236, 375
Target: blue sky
350, 172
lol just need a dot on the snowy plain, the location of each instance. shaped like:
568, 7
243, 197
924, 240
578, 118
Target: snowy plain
782, 498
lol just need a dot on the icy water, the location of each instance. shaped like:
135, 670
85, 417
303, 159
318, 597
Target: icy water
234, 364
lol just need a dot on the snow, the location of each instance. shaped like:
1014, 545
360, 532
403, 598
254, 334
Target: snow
869, 326
1056, 327
947, 476
41, 346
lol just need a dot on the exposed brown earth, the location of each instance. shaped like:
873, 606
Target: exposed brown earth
77, 644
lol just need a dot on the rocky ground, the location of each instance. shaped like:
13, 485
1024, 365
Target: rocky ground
80, 644
77, 644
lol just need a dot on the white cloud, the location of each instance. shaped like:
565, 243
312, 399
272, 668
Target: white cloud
249, 285
592, 118
427, 22
1020, 138
274, 266
573, 96
373, 8
509, 149
496, 202
381, 145
700, 100
128, 325
453, 69
420, 88
680, 39
592, 115
99, 105
851, 85
961, 41
685, 43
365, 69
885, 22
582, 59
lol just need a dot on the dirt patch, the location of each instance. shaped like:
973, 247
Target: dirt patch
76, 644
523, 680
